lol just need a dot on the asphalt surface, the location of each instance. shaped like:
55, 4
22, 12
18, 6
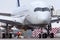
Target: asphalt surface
34, 39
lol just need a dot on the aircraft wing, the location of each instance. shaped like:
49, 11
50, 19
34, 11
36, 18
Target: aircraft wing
12, 20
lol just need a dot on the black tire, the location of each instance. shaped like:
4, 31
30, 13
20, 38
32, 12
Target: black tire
51, 35
10, 35
39, 35
44, 35
3, 35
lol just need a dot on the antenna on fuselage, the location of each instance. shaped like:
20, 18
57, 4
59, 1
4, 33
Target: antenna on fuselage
18, 3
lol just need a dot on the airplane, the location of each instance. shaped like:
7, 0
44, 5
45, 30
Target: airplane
36, 13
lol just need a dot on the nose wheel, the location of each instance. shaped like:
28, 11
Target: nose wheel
48, 34
44, 35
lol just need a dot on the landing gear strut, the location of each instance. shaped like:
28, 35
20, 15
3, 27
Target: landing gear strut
43, 35
7, 34
51, 35
48, 34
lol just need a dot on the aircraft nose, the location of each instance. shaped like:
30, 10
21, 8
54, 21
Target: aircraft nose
44, 17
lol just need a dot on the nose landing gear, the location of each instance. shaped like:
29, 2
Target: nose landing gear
48, 34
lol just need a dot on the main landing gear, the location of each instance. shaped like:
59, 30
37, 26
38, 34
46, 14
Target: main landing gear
7, 34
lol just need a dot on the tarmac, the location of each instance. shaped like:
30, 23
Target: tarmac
34, 39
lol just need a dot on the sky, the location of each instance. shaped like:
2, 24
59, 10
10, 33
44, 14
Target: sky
8, 6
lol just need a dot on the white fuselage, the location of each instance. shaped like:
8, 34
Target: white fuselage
39, 18
36, 12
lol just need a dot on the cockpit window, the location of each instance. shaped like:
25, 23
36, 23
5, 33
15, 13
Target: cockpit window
45, 9
41, 9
